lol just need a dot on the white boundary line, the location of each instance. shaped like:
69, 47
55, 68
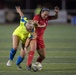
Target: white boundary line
46, 56
46, 51
51, 71
42, 63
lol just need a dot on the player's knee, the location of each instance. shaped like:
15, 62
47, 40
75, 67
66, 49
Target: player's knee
15, 47
43, 57
33, 47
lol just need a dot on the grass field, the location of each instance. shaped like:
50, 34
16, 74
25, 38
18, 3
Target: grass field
60, 59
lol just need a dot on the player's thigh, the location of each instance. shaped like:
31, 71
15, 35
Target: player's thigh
41, 48
15, 40
33, 44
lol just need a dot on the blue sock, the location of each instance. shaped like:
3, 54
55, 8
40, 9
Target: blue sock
19, 60
12, 54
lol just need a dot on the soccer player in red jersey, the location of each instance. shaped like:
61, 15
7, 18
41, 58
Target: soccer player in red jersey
42, 21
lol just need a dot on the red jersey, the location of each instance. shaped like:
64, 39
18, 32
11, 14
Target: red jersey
40, 31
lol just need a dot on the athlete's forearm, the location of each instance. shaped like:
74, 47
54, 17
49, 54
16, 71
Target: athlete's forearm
19, 11
27, 42
41, 26
56, 12
56, 15
38, 25
21, 14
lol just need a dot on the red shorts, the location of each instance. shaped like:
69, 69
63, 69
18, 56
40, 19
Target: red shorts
40, 44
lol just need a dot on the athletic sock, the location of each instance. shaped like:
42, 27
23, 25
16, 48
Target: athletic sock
30, 58
19, 60
39, 59
12, 53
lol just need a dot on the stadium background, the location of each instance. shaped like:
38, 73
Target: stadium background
7, 8
60, 36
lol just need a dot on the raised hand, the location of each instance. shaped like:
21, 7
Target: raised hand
18, 9
56, 9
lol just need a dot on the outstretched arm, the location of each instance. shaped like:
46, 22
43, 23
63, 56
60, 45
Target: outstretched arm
19, 11
38, 25
56, 10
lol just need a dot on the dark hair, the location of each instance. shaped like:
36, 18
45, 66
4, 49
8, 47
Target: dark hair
44, 9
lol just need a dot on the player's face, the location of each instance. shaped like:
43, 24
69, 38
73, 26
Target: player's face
29, 27
45, 14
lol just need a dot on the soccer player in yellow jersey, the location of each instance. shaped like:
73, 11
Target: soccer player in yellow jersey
25, 33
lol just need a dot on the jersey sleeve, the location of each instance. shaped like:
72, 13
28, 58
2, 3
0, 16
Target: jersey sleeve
30, 36
23, 20
49, 17
36, 17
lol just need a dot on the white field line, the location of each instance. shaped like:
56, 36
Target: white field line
46, 51
42, 63
46, 56
51, 71
42, 71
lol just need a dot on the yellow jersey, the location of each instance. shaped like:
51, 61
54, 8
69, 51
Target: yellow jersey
21, 30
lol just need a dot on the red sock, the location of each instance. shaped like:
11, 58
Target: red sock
30, 58
39, 59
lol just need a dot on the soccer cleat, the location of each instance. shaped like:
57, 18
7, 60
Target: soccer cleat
28, 68
19, 67
9, 63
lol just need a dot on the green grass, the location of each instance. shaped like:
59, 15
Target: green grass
60, 41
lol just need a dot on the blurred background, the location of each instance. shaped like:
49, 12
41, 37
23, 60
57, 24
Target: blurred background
29, 7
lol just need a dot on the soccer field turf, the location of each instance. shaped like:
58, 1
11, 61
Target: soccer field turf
60, 41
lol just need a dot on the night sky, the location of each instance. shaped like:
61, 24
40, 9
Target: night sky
70, 4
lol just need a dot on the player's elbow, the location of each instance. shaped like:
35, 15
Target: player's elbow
56, 16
